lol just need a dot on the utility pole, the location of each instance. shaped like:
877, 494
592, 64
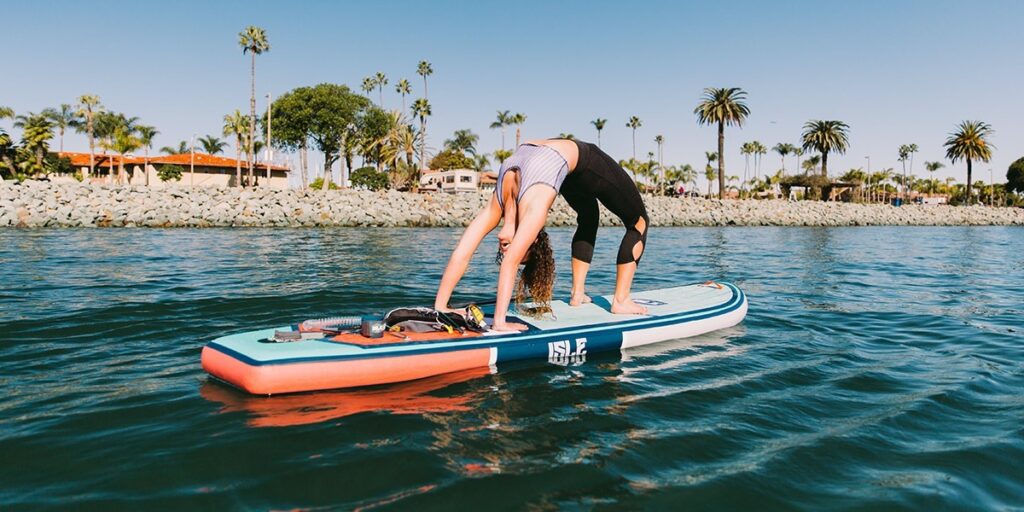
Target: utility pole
192, 164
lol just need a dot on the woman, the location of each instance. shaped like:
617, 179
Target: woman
584, 175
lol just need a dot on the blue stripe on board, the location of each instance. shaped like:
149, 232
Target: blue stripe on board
517, 346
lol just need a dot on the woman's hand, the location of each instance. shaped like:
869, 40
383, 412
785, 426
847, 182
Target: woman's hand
509, 326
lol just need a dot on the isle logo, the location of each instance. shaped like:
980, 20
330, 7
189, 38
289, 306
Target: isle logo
563, 353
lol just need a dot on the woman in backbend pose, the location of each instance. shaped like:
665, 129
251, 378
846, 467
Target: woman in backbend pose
584, 175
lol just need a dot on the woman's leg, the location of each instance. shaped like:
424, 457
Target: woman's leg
619, 194
588, 217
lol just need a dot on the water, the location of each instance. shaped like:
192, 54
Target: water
877, 368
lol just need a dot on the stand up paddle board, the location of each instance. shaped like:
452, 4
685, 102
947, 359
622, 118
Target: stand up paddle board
254, 362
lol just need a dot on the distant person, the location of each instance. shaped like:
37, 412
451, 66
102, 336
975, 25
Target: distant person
584, 175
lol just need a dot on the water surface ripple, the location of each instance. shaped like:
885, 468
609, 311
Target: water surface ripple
877, 368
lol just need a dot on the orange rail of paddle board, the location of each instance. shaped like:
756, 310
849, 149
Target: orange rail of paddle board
317, 375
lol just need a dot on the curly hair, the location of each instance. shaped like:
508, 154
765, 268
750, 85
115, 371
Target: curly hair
537, 277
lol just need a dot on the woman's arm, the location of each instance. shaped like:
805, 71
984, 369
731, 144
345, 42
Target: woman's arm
533, 215
484, 222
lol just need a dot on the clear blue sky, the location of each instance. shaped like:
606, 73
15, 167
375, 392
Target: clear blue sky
896, 71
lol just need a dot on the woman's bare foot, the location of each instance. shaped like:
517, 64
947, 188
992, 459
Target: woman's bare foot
582, 298
628, 307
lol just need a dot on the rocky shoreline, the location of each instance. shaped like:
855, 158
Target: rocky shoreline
34, 204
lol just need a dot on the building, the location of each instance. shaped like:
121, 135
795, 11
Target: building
454, 181
209, 170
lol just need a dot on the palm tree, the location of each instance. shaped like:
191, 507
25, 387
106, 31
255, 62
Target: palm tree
518, 119
212, 145
88, 106
124, 142
6, 112
970, 142
501, 154
66, 117
180, 149
424, 69
798, 152
634, 122
403, 88
726, 107
504, 119
566, 136
235, 125
381, 80
146, 136
759, 151
599, 124
38, 130
783, 149
906, 152
254, 41
421, 108
709, 171
369, 84
481, 162
746, 149
463, 141
811, 163
826, 137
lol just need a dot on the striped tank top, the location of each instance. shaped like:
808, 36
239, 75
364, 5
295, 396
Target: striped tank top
535, 164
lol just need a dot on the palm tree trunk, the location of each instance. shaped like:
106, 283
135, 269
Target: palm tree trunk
62, 140
252, 115
426, 96
503, 138
634, 143
304, 161
517, 136
238, 160
970, 192
599, 138
824, 164
721, 161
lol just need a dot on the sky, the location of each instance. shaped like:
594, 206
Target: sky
898, 72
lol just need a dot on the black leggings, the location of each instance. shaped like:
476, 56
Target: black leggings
598, 177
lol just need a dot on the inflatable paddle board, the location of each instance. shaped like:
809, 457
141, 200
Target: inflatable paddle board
251, 361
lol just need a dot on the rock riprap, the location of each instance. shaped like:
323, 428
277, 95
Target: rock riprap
34, 204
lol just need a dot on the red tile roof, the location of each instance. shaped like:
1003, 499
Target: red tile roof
184, 159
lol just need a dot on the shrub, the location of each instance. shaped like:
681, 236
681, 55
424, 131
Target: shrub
318, 184
1015, 176
170, 172
369, 178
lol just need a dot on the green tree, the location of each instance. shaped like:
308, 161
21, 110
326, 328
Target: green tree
8, 151
170, 172
599, 125
404, 88
253, 41
424, 69
660, 141
634, 122
1015, 176
6, 112
370, 179
35, 138
501, 154
451, 159
969, 142
235, 125
124, 141
481, 162
88, 106
63, 118
374, 126
566, 136
369, 84
826, 137
212, 145
463, 141
746, 149
811, 164
503, 119
906, 153
325, 115
421, 109
725, 107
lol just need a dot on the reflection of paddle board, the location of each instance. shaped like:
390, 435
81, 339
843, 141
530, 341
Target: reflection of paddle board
249, 362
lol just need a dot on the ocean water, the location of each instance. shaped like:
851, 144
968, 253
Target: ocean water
878, 368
